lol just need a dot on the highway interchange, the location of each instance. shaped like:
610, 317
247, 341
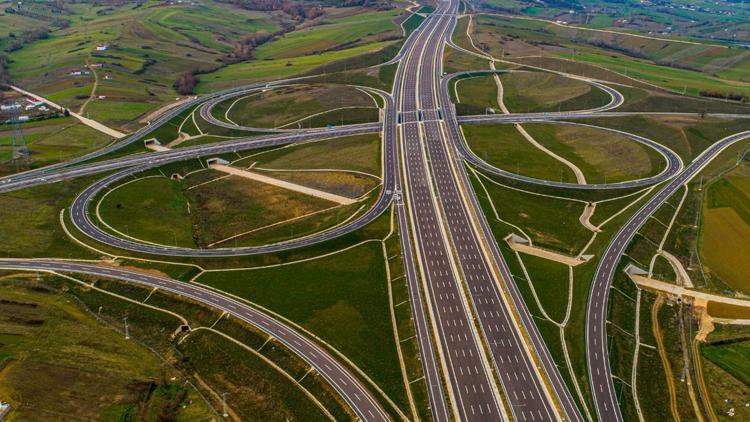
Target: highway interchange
482, 355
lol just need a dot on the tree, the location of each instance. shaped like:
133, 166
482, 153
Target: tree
185, 83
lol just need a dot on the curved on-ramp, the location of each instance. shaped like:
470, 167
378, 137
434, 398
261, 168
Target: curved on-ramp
359, 398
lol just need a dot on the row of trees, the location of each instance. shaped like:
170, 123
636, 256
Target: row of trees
294, 9
725, 95
16, 42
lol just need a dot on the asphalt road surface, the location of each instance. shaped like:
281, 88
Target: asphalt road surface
597, 352
451, 253
359, 398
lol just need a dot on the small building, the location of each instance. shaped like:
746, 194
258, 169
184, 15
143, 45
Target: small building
101, 47
23, 118
10, 107
96, 65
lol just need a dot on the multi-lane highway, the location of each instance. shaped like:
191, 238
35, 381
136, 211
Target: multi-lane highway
597, 352
359, 398
482, 354
473, 320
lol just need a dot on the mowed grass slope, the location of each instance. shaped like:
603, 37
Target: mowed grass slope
342, 298
211, 209
291, 105
61, 363
602, 156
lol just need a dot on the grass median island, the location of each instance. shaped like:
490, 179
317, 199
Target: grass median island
277, 397
550, 222
59, 361
209, 209
602, 156
358, 153
476, 95
234, 205
687, 136
502, 146
526, 92
350, 185
341, 298
287, 106
153, 209
49, 141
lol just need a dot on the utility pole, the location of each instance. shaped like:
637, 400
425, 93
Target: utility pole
224, 405
127, 332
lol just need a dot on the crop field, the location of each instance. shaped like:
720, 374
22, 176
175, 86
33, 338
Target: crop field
59, 360
50, 141
725, 229
732, 357
289, 106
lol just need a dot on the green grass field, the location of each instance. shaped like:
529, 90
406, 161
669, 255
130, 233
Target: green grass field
732, 357
50, 141
725, 229
341, 298
208, 209
50, 345
504, 147
147, 47
291, 106
603, 157
357, 27
672, 65
244, 73
358, 153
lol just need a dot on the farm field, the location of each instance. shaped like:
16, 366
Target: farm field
676, 66
725, 229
